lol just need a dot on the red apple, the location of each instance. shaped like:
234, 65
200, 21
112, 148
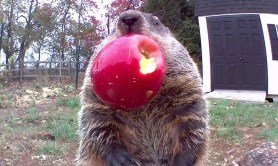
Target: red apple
128, 72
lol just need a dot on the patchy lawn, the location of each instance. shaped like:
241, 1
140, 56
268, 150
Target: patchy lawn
39, 123
238, 127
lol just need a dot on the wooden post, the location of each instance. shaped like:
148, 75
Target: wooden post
60, 69
78, 47
69, 67
1, 36
20, 70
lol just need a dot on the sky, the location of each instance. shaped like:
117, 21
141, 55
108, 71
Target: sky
99, 14
101, 4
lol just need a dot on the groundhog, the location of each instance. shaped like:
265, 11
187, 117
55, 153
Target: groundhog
171, 130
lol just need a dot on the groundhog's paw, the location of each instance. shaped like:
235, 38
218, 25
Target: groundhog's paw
120, 157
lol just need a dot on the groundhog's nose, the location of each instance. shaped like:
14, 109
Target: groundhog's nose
129, 20
130, 17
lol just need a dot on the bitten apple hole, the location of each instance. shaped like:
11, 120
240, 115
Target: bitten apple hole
147, 65
145, 53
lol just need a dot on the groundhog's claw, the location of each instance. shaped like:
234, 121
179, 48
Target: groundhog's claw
120, 157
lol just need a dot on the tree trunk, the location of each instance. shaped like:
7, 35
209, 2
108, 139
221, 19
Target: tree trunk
39, 58
108, 23
39, 51
1, 37
10, 43
63, 38
21, 60
25, 40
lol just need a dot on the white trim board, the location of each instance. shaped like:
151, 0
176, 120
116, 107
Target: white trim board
272, 65
241, 95
205, 54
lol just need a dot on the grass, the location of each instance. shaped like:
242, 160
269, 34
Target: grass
61, 122
32, 115
14, 120
6, 100
270, 134
68, 89
229, 117
36, 125
63, 125
234, 124
63, 129
38, 86
50, 148
231, 133
72, 102
1, 86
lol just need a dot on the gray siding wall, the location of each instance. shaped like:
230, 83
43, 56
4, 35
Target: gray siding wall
213, 7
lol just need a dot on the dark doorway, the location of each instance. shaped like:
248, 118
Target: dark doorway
237, 50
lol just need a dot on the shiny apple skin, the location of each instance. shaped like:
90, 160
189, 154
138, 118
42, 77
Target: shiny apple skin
116, 77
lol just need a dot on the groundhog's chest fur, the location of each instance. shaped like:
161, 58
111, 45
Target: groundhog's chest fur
152, 134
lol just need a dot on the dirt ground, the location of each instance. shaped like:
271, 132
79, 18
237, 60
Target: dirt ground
24, 136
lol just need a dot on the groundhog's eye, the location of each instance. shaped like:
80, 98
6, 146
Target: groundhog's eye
156, 21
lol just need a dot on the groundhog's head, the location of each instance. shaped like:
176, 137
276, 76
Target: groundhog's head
132, 21
177, 57
142, 23
181, 72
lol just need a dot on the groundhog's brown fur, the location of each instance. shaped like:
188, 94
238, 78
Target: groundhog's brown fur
171, 130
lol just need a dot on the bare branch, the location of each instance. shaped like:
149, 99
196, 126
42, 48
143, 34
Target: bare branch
26, 19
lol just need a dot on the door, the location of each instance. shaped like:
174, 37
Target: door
237, 50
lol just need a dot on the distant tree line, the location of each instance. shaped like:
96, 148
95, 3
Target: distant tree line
58, 28
178, 15
49, 27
